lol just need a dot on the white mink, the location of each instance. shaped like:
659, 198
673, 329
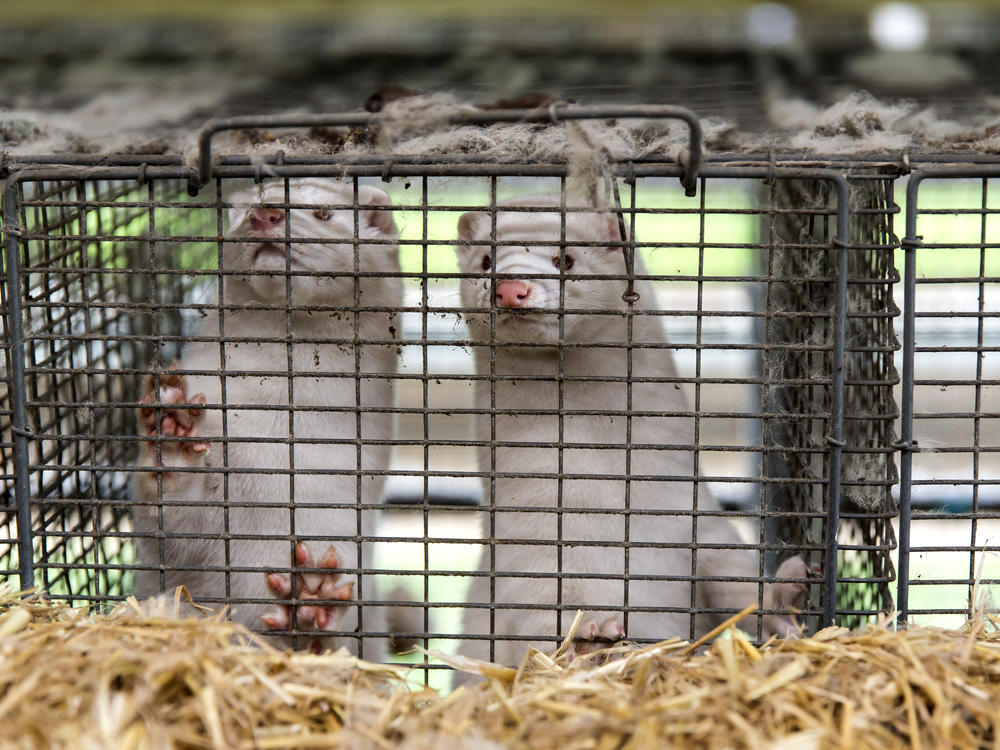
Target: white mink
316, 373
527, 385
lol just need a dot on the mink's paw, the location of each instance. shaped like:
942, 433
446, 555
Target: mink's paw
592, 637
168, 412
786, 595
325, 589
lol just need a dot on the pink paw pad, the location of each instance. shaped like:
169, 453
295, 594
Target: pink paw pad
593, 637
321, 587
167, 411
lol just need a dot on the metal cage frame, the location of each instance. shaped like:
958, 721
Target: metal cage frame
694, 171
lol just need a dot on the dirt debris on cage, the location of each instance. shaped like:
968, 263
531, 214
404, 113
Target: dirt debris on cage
140, 677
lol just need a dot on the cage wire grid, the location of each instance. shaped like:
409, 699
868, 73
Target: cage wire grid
966, 330
696, 345
104, 263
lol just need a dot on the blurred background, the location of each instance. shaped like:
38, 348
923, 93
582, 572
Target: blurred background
117, 64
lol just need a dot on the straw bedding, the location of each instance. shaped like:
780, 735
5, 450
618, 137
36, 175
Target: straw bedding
141, 678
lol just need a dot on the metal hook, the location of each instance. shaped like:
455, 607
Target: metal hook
628, 247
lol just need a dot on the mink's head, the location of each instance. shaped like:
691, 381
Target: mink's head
544, 260
307, 237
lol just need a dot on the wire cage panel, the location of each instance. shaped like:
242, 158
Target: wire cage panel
87, 325
797, 338
9, 567
951, 388
119, 281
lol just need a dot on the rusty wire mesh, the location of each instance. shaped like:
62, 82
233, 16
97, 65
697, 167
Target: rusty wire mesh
116, 275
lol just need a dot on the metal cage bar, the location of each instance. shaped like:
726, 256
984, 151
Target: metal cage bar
19, 422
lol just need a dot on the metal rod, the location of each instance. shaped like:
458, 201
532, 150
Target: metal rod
906, 445
782, 160
18, 391
416, 170
836, 438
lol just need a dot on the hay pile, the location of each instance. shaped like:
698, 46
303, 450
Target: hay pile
140, 679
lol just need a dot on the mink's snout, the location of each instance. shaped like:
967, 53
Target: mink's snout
513, 293
267, 220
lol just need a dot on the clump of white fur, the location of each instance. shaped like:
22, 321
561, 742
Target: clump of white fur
418, 125
861, 123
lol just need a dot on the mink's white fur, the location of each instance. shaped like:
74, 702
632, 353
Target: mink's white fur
544, 363
272, 358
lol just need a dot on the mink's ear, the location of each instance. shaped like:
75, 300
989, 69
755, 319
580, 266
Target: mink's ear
471, 227
611, 232
379, 219
240, 205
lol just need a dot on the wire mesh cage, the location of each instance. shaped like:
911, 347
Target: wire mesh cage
88, 329
948, 437
641, 406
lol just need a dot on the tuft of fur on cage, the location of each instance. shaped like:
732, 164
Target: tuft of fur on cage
861, 122
143, 679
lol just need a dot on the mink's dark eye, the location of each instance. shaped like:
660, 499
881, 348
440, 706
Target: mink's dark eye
487, 263
323, 214
567, 263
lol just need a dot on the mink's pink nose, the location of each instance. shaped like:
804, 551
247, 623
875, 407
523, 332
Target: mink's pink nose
265, 219
512, 293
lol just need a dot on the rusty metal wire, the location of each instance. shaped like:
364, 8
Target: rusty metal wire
110, 270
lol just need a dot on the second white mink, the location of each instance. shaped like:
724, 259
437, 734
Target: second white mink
542, 363
293, 409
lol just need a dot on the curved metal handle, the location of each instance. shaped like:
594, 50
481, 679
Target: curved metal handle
691, 163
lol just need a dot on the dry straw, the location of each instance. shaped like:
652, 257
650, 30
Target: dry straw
141, 678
